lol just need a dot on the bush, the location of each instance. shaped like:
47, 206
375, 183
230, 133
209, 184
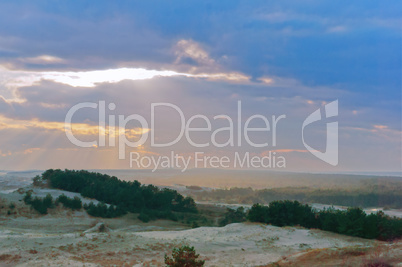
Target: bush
351, 222
28, 198
184, 256
39, 204
72, 203
151, 215
102, 210
38, 181
144, 217
233, 216
281, 213
378, 263
258, 213
48, 201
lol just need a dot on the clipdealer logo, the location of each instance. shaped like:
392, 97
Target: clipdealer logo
238, 133
330, 155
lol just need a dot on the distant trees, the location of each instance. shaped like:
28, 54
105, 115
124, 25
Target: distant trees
144, 217
353, 222
72, 203
150, 215
43, 204
104, 211
233, 216
185, 256
37, 181
39, 204
123, 196
281, 213
27, 197
366, 196
258, 213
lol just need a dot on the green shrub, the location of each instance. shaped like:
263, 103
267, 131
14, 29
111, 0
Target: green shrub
233, 216
48, 201
28, 198
72, 203
258, 213
144, 217
102, 210
184, 256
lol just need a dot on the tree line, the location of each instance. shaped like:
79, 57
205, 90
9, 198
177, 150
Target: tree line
352, 222
366, 196
42, 205
154, 203
122, 196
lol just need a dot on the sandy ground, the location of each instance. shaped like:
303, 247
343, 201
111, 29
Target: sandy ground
234, 245
66, 238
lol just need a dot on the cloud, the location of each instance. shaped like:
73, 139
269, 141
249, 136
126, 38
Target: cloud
30, 150
196, 61
42, 59
82, 78
79, 129
275, 58
380, 127
189, 49
229, 77
205, 68
41, 116
91, 78
266, 80
337, 29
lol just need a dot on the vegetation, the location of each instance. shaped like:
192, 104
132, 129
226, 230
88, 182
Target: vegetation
153, 203
11, 208
367, 195
233, 216
43, 204
72, 203
185, 256
100, 210
377, 263
284, 213
352, 222
150, 215
148, 200
37, 181
104, 211
39, 204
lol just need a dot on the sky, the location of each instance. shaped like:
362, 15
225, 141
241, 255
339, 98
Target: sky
205, 57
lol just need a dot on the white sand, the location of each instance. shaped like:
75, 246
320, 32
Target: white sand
61, 238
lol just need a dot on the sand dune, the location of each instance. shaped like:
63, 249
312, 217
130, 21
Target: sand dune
64, 237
